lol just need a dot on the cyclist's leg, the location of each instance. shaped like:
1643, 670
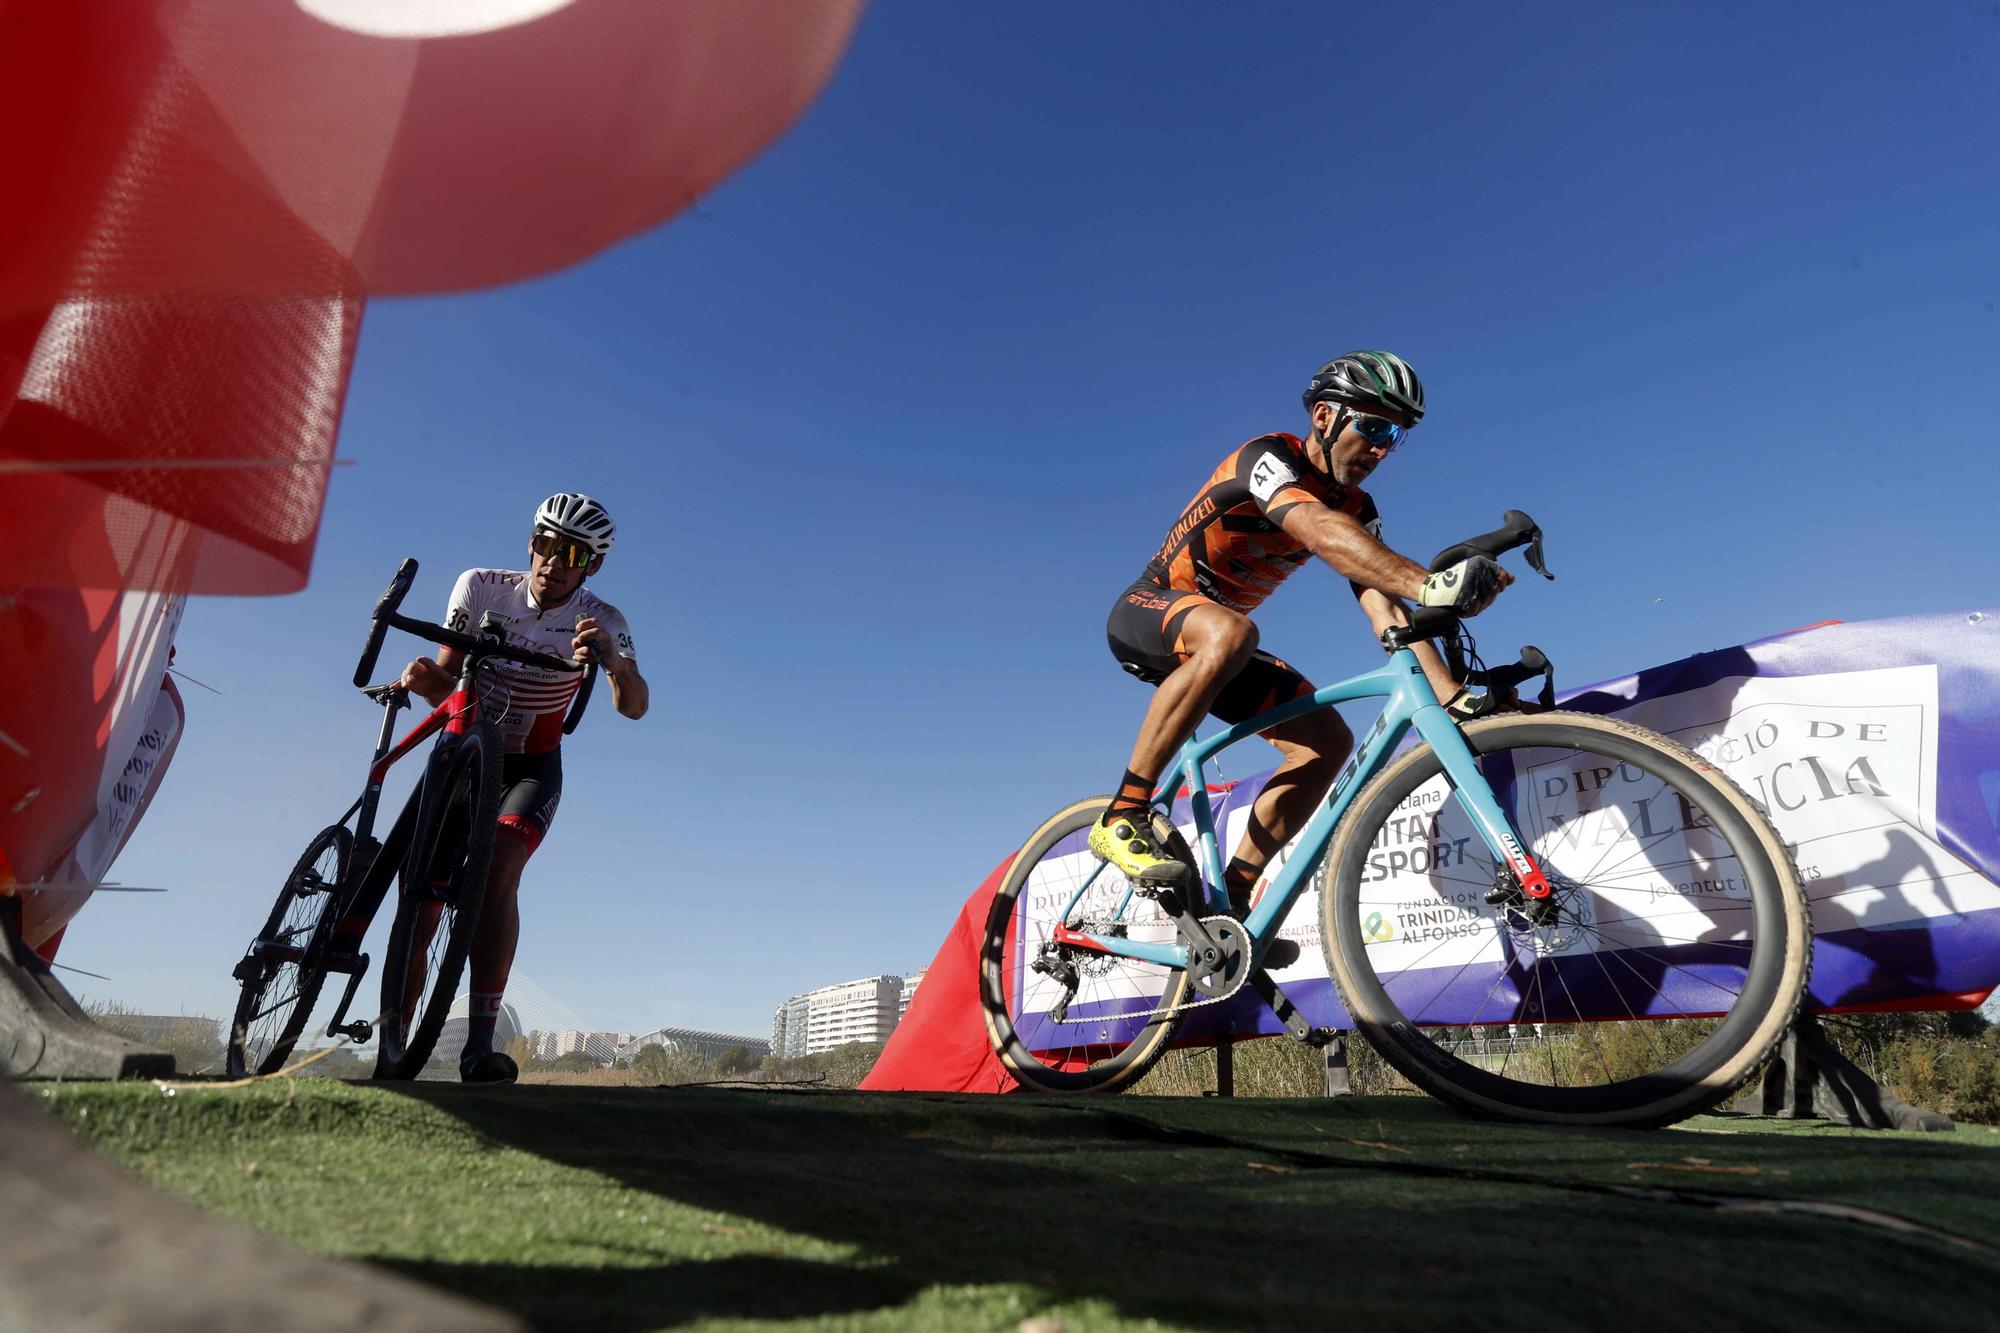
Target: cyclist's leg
353, 925
1189, 649
1312, 749
422, 931
531, 792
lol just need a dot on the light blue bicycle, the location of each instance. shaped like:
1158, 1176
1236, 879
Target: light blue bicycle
1550, 916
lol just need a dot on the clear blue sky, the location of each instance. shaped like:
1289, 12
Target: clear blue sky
891, 417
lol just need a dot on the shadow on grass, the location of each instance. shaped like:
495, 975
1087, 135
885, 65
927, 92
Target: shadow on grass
1179, 1224
628, 1300
932, 1195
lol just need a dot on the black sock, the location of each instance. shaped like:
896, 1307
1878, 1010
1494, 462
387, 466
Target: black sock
1135, 795
1239, 879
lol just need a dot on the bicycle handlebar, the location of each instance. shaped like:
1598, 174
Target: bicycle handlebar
582, 697
386, 617
485, 645
1428, 622
1516, 529
385, 606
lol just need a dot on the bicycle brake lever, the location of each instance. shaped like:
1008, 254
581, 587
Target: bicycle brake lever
1536, 560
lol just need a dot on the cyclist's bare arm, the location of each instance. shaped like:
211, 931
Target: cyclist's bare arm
629, 692
1387, 577
1352, 550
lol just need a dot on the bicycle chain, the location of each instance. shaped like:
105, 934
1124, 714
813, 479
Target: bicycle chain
1229, 994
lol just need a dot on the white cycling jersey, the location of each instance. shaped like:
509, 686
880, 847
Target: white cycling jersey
531, 702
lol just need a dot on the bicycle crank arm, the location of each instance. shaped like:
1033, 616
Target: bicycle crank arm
357, 1031
1218, 947
1274, 998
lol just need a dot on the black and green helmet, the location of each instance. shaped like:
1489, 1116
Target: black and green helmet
1369, 380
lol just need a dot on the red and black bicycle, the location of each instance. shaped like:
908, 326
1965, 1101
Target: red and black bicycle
438, 849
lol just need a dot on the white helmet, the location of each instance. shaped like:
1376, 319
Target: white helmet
576, 515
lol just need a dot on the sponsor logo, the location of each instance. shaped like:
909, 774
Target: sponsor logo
1197, 512
1378, 928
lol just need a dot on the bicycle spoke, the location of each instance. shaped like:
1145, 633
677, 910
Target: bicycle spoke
1657, 930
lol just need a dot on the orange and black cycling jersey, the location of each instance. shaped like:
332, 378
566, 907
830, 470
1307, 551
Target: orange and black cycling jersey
1228, 544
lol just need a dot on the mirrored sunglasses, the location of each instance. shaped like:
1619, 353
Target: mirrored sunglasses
1380, 432
565, 551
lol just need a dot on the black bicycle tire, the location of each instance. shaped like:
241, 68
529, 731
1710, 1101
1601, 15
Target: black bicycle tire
1142, 1052
1774, 989
312, 969
396, 1057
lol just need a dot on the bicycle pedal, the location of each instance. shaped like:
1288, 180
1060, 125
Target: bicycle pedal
345, 960
357, 1032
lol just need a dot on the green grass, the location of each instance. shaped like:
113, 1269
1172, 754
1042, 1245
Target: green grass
626, 1208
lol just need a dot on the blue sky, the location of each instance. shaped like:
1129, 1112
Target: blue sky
891, 416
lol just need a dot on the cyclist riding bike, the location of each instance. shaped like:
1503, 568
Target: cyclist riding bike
1184, 626
545, 608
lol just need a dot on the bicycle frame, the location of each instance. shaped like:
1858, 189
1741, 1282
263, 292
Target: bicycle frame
1410, 703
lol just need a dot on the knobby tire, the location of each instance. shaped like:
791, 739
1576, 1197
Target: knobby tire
460, 811
1092, 1060
1579, 1005
276, 1000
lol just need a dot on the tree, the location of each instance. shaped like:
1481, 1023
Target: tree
736, 1060
651, 1064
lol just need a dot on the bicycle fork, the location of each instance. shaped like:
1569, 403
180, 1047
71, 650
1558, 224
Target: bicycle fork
1520, 885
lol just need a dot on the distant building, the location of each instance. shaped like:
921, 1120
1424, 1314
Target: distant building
599, 1046
788, 1027
848, 1011
707, 1045
909, 990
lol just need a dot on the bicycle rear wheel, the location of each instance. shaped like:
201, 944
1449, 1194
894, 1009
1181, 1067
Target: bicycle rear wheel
284, 967
1673, 951
441, 886
1061, 1018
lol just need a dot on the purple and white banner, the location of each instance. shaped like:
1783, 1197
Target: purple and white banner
1876, 749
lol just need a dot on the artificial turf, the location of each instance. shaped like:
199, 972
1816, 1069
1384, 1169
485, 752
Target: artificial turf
630, 1208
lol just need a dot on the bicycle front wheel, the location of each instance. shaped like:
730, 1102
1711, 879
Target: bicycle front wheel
1655, 980
441, 887
1064, 1018
284, 967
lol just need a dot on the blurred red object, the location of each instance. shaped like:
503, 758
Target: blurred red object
201, 194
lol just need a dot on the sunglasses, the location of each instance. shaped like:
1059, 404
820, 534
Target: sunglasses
565, 551
1380, 432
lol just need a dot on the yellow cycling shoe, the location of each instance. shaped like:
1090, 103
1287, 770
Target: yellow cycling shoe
1126, 839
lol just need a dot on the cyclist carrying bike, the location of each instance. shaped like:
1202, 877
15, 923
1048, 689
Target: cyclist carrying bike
1184, 626
546, 609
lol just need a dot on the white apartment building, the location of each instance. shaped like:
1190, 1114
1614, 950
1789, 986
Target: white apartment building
909, 990
863, 1010
788, 1027
599, 1046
